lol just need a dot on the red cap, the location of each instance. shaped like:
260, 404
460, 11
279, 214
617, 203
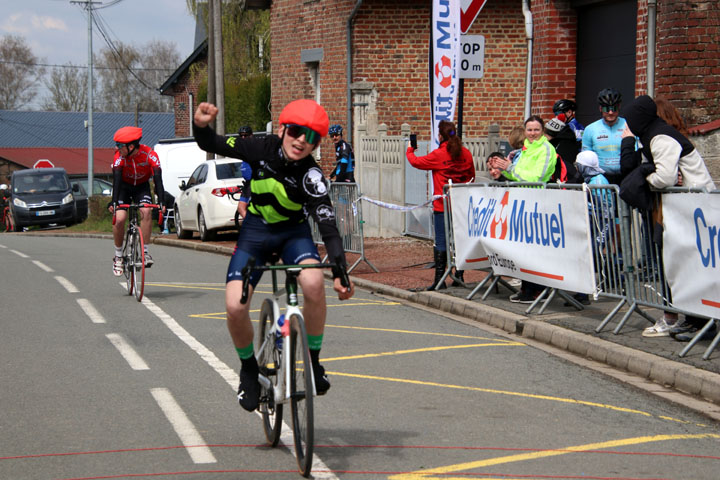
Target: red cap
306, 113
128, 134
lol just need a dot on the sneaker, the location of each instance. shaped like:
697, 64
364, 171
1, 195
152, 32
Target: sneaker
148, 260
249, 390
692, 332
117, 266
522, 297
515, 282
660, 329
322, 384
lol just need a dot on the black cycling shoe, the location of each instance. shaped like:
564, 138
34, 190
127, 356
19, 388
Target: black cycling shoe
322, 384
249, 390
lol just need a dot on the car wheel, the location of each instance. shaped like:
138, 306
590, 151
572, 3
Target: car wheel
205, 234
181, 233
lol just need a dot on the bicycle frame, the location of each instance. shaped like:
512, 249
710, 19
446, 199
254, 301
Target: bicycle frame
281, 392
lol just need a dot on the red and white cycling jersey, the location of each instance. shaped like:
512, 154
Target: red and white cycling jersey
139, 168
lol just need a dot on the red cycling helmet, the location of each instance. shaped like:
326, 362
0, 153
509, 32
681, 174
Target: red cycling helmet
306, 113
128, 135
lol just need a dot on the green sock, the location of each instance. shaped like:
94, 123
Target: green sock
245, 352
315, 342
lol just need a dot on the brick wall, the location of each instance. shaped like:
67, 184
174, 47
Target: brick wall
390, 50
186, 85
554, 55
688, 57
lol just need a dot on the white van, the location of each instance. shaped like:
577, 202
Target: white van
179, 157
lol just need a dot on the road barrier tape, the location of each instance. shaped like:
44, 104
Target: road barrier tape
392, 206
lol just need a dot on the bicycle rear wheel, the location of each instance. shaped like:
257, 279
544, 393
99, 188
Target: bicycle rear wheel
268, 362
138, 264
301, 395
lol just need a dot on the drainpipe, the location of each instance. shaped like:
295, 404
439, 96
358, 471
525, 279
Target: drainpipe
348, 71
528, 77
652, 20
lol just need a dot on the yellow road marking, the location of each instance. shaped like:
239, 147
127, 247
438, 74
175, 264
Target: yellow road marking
415, 332
490, 390
425, 474
257, 310
420, 350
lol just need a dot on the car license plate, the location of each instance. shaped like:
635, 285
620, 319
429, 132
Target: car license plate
43, 213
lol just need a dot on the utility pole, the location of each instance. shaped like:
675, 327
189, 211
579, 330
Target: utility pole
88, 6
219, 67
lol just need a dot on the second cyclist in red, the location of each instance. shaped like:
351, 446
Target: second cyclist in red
133, 167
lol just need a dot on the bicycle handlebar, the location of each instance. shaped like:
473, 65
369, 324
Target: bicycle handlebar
337, 266
140, 205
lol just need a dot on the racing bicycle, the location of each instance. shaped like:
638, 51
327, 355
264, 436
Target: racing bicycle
133, 250
283, 356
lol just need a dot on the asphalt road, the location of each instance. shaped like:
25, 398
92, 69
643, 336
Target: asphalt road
97, 385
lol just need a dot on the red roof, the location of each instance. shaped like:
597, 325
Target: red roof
73, 160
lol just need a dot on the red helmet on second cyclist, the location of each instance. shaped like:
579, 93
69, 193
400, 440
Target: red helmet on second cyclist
308, 114
126, 135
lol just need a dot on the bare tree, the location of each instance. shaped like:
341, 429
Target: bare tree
68, 89
20, 73
130, 76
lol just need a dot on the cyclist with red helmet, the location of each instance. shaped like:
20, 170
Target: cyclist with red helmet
133, 166
287, 185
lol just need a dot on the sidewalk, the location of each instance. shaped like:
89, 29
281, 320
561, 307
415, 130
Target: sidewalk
403, 264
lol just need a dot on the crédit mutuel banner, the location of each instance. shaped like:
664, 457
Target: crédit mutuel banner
529, 233
444, 58
691, 251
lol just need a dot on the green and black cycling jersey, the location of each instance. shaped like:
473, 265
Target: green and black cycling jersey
282, 192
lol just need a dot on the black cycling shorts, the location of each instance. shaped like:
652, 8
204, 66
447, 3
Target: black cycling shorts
134, 193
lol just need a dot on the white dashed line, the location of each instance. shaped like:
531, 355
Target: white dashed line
90, 310
189, 436
66, 283
19, 254
43, 266
129, 354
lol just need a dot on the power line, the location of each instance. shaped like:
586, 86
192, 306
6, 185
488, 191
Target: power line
9, 62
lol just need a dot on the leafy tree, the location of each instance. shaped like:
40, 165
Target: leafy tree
68, 89
247, 78
20, 73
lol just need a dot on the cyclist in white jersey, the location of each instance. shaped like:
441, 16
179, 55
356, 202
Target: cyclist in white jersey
605, 135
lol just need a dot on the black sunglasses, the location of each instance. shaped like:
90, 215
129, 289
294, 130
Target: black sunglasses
295, 131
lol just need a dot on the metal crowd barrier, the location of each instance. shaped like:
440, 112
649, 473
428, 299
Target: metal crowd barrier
348, 217
627, 257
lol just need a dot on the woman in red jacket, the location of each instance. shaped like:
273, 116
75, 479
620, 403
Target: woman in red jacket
450, 161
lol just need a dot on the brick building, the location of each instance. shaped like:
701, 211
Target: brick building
578, 48
372, 55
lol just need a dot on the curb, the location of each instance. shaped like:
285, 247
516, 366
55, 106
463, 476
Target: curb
684, 378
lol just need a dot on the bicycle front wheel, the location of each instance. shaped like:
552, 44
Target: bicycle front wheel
138, 264
301, 395
127, 255
268, 362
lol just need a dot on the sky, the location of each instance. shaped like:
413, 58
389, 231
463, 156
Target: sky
57, 30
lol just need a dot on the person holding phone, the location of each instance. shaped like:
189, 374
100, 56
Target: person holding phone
449, 162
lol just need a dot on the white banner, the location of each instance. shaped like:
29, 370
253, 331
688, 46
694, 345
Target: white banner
691, 251
445, 55
538, 235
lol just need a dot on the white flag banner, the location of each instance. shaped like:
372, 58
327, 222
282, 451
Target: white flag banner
691, 251
444, 67
538, 235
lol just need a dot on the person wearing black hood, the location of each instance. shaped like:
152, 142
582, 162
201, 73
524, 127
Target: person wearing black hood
663, 152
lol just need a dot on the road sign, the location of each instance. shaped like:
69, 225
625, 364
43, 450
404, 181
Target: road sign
469, 10
43, 163
472, 56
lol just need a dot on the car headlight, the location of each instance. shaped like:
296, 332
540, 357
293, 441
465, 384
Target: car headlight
19, 203
67, 199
